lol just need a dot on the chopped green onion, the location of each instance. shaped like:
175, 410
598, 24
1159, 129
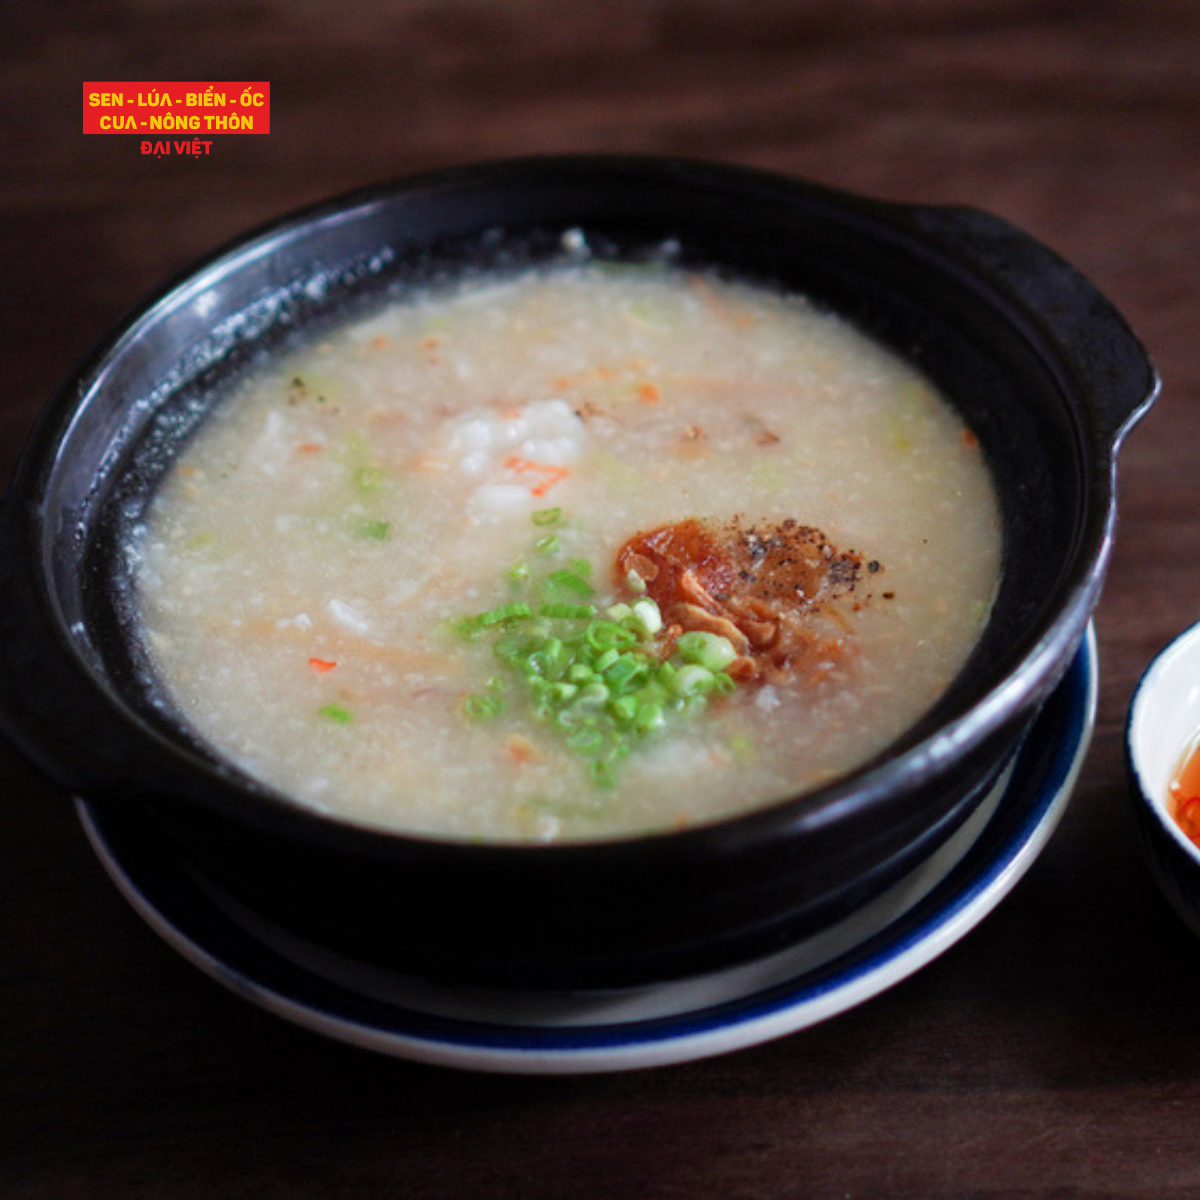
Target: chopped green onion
483, 708
649, 718
652, 693
587, 740
336, 713
201, 541
709, 650
510, 649
693, 680
741, 747
626, 671
368, 479
647, 615
570, 581
726, 685
592, 698
564, 718
605, 635
537, 665
548, 659
603, 773
606, 660
597, 681
567, 612
503, 612
376, 531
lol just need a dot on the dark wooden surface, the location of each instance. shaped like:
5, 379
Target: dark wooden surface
1056, 1049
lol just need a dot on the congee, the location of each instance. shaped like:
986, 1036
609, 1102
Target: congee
579, 551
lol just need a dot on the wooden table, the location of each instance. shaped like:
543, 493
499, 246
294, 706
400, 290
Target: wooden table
1055, 1049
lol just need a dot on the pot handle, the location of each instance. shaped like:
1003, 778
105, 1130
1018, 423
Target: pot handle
1087, 331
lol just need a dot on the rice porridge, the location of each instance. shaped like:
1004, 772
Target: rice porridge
585, 551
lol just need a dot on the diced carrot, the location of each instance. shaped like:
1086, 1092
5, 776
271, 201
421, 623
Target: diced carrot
309, 448
321, 665
521, 750
554, 474
542, 488
649, 394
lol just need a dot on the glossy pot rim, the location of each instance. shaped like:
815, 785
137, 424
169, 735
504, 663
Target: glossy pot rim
936, 234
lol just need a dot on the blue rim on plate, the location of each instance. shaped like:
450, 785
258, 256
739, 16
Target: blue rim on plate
560, 1033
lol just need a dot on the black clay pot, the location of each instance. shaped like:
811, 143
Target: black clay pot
1042, 366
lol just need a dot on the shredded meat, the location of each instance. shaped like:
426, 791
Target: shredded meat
770, 589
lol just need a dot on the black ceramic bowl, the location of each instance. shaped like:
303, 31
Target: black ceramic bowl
1044, 369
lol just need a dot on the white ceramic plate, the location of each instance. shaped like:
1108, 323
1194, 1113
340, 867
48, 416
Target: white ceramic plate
561, 1032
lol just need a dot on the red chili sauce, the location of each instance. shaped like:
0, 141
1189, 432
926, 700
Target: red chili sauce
1185, 793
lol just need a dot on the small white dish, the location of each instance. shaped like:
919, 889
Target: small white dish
576, 1032
1164, 720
